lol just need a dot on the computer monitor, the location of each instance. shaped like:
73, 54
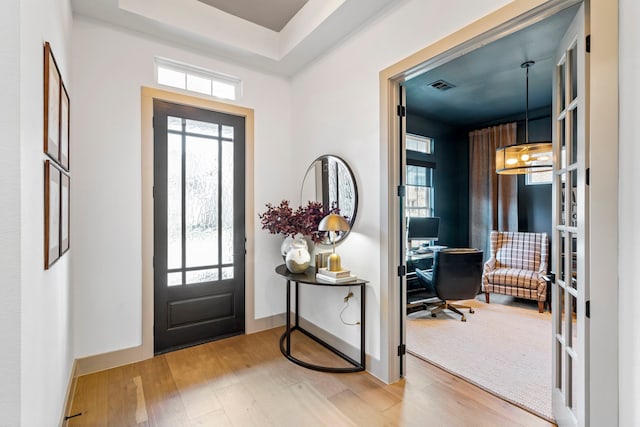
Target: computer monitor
423, 228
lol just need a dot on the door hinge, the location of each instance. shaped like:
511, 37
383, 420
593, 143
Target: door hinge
588, 176
153, 122
401, 190
402, 270
153, 194
402, 111
587, 310
402, 350
154, 261
588, 43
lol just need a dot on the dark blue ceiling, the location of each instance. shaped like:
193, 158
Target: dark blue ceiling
489, 81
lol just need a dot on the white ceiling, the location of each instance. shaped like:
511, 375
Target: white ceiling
317, 26
271, 14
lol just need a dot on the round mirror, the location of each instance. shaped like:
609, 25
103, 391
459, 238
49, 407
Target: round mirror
329, 180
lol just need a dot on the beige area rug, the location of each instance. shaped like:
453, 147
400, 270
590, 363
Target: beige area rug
504, 348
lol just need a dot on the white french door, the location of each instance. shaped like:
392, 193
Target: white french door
570, 291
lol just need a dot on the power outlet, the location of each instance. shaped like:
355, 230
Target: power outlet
349, 295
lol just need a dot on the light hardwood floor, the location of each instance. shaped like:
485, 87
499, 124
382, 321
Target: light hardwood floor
245, 381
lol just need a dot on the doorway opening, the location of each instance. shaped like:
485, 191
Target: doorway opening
445, 73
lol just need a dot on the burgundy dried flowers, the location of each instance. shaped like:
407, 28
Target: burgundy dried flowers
282, 219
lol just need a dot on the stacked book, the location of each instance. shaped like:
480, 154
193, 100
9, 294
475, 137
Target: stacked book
340, 276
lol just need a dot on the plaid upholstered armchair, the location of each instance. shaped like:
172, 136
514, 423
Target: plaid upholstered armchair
517, 266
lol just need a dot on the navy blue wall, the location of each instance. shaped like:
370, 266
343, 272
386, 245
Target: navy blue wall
450, 179
534, 201
451, 176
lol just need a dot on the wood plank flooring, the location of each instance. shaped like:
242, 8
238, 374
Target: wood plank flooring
245, 381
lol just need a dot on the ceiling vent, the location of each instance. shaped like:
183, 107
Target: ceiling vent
441, 85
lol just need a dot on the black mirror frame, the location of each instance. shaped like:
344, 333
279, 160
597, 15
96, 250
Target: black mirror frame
352, 217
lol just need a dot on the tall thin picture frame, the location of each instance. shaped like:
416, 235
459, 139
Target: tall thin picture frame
64, 213
52, 89
64, 127
51, 214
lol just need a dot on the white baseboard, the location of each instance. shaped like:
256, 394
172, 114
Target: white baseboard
71, 390
265, 323
348, 349
101, 362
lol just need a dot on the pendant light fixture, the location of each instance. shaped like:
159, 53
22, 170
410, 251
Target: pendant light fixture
528, 157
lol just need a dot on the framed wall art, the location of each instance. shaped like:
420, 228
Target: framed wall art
52, 89
51, 213
64, 128
64, 213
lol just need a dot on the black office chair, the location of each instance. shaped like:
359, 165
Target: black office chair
456, 275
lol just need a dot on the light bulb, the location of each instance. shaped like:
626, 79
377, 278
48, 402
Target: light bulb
511, 161
524, 157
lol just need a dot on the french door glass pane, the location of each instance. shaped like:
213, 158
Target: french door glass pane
569, 387
573, 213
574, 261
226, 194
562, 263
573, 71
574, 136
561, 71
201, 200
572, 335
174, 200
561, 313
558, 362
563, 204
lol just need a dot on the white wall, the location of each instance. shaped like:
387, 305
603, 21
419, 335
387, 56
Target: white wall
46, 338
10, 289
336, 104
109, 67
629, 194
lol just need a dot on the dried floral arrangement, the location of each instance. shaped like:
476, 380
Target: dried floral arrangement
282, 219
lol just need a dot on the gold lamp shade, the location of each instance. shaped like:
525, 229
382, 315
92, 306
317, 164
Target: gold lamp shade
333, 222
524, 158
528, 157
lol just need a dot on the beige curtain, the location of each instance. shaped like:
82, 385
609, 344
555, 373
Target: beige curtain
493, 198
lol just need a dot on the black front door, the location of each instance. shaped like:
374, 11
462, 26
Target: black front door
199, 229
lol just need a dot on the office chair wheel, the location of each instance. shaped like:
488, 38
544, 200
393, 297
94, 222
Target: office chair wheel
464, 319
471, 310
433, 315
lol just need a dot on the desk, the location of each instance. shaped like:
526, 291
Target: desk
309, 278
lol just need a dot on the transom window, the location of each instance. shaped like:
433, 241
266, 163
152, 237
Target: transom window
197, 80
421, 144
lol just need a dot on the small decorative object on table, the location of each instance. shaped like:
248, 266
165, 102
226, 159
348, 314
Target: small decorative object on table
298, 224
341, 276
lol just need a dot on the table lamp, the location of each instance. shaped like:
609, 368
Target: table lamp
333, 223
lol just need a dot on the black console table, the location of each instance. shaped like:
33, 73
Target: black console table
309, 278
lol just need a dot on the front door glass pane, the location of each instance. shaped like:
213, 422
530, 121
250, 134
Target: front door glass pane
174, 200
227, 203
201, 207
199, 276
